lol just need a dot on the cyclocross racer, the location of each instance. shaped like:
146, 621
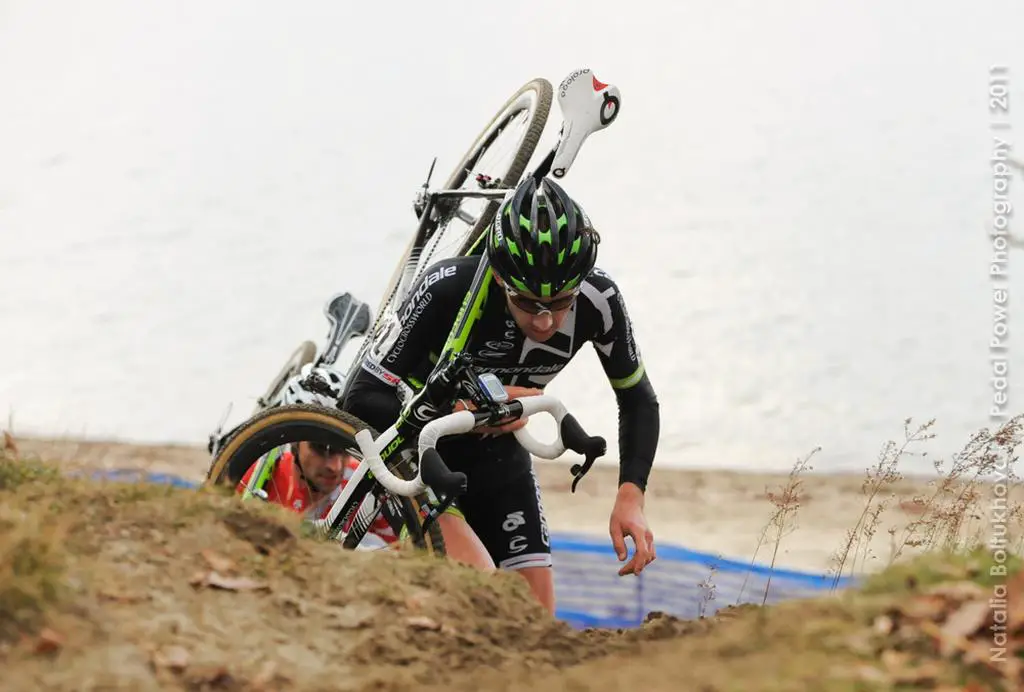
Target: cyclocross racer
547, 299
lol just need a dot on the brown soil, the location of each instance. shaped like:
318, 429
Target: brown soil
118, 586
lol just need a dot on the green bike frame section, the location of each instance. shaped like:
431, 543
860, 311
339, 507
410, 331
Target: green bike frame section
262, 473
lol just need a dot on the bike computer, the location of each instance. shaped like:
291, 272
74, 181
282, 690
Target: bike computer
490, 384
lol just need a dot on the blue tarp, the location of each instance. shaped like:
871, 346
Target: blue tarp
590, 593
681, 582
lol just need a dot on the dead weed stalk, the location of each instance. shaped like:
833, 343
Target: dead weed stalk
786, 502
877, 480
960, 495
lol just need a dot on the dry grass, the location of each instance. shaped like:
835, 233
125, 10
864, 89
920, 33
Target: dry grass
954, 515
31, 567
958, 514
707, 592
877, 491
785, 502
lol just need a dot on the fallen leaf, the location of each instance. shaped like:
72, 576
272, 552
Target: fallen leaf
947, 646
1014, 669
219, 581
843, 672
883, 624
860, 643
977, 652
212, 676
870, 674
227, 583
415, 601
421, 622
958, 591
294, 606
10, 444
894, 659
926, 673
48, 641
924, 608
1015, 604
217, 561
175, 658
959, 626
352, 616
265, 676
973, 687
123, 597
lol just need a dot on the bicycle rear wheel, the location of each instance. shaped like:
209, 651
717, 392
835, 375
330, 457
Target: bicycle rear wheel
297, 422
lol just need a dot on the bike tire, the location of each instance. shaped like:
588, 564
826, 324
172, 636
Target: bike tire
544, 95
301, 356
538, 119
282, 424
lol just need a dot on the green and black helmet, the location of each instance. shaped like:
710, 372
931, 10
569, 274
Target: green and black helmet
541, 241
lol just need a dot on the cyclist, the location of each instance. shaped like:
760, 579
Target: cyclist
308, 476
547, 300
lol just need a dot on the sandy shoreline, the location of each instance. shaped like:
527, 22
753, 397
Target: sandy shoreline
720, 512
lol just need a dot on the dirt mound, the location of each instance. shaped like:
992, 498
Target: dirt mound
115, 586
942, 623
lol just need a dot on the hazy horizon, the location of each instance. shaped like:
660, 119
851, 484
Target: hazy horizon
795, 203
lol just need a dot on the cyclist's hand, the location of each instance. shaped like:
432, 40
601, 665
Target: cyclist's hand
514, 392
628, 520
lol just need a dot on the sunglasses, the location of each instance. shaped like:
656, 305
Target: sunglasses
326, 450
535, 307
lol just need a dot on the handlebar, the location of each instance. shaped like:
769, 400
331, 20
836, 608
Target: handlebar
570, 433
435, 475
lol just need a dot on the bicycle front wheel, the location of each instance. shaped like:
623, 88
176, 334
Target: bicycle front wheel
500, 152
302, 422
498, 156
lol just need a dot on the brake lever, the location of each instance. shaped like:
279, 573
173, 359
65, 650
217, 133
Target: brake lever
580, 470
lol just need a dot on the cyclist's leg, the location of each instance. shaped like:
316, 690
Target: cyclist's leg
461, 543
510, 522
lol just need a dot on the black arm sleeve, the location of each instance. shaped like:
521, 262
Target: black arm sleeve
639, 427
639, 422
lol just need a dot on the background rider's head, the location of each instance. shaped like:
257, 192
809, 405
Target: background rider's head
322, 466
541, 247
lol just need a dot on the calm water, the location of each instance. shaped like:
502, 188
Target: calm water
795, 203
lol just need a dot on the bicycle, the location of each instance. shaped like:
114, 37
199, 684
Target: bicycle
418, 486
530, 103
